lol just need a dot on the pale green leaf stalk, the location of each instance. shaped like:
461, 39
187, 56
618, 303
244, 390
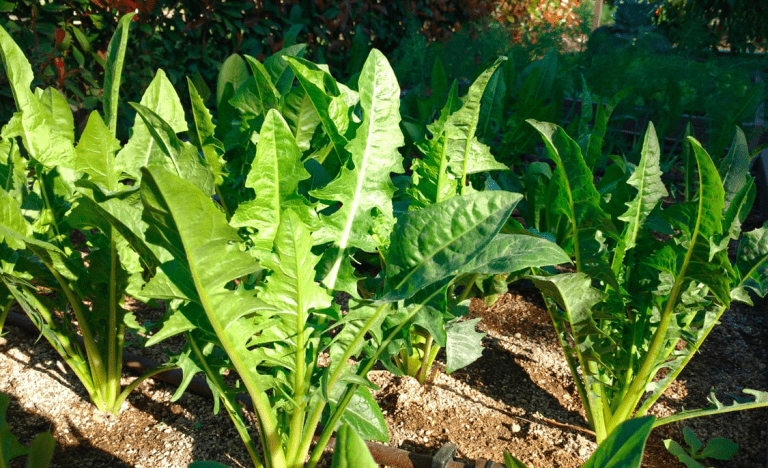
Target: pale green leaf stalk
374, 155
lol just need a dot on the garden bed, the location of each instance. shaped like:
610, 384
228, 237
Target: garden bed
519, 397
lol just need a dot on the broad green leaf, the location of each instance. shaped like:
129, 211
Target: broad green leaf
650, 189
367, 187
301, 116
351, 451
179, 157
233, 72
466, 155
212, 148
624, 446
734, 168
12, 218
275, 175
576, 297
720, 448
506, 253
682, 456
32, 121
431, 244
143, 150
276, 65
463, 345
431, 180
209, 254
752, 264
576, 198
114, 69
13, 169
692, 440
363, 414
56, 105
96, 153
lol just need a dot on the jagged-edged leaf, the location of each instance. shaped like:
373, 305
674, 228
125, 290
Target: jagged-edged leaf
466, 155
32, 121
624, 447
209, 255
463, 344
142, 149
351, 451
431, 180
701, 264
329, 103
576, 198
431, 244
114, 69
96, 153
506, 253
275, 175
291, 289
368, 185
718, 407
650, 189
176, 156
212, 148
267, 94
752, 264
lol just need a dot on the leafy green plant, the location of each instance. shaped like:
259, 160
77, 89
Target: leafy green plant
63, 262
40, 451
634, 297
623, 448
717, 448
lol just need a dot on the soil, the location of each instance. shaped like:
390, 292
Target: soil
518, 397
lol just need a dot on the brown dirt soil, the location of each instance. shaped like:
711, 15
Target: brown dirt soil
518, 397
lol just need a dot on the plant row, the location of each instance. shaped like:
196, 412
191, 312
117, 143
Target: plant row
248, 225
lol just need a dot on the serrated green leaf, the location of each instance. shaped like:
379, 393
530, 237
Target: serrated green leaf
650, 189
142, 149
176, 156
267, 94
463, 345
431, 244
96, 153
752, 262
576, 198
466, 155
278, 69
300, 114
212, 148
56, 105
368, 185
275, 175
12, 218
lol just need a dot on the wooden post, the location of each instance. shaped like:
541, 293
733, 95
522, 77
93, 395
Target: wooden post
598, 14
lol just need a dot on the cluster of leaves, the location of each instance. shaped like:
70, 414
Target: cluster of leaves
621, 315
692, 455
249, 232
